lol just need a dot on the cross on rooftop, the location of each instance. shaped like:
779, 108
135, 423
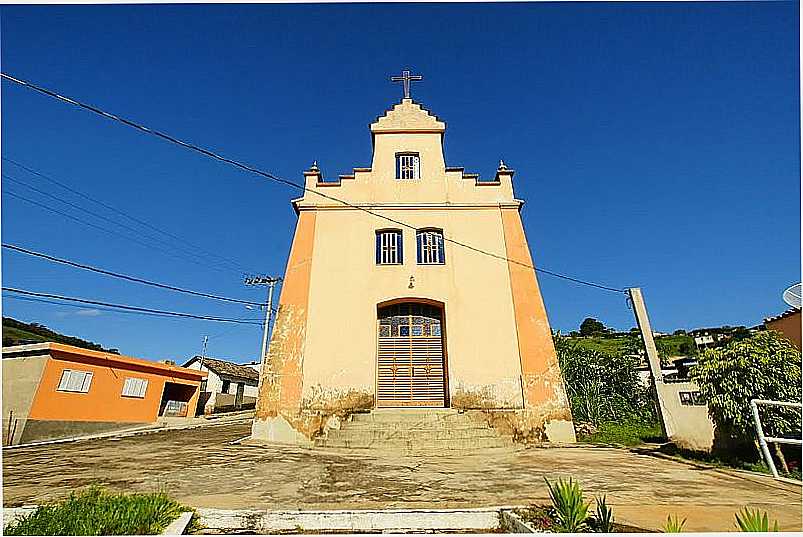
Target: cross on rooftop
406, 78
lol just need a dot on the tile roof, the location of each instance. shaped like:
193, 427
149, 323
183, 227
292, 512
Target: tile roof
222, 367
787, 313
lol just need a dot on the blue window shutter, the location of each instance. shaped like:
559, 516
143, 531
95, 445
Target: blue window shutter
378, 252
441, 249
418, 239
401, 247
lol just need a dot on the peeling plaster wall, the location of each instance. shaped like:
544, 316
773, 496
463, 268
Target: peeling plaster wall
498, 344
347, 285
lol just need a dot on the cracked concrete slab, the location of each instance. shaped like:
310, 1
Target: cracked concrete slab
200, 468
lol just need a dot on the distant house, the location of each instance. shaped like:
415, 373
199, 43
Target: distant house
704, 339
229, 386
788, 324
52, 390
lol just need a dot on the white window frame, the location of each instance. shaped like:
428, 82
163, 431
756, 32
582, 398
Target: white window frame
430, 247
408, 166
75, 381
135, 387
389, 247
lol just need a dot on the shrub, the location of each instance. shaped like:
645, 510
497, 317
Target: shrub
674, 524
94, 511
763, 366
754, 521
602, 387
603, 522
571, 512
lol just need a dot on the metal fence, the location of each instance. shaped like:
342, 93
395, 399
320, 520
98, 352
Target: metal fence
765, 440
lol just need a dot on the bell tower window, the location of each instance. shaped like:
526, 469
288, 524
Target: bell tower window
408, 166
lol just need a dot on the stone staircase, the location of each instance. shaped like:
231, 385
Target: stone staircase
406, 430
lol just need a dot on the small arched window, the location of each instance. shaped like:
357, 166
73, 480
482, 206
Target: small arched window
389, 248
430, 247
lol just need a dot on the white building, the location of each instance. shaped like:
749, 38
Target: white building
228, 387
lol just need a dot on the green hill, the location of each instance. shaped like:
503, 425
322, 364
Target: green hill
668, 346
19, 333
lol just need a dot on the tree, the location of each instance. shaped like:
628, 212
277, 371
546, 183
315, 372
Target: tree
763, 366
591, 327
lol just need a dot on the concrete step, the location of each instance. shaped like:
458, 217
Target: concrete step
414, 430
400, 444
414, 425
408, 416
417, 435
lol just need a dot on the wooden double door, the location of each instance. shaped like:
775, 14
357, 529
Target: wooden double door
411, 367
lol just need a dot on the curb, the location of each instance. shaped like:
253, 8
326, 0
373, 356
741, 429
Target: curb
179, 525
261, 521
513, 523
135, 431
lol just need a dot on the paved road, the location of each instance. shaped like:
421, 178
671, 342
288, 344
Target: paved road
200, 468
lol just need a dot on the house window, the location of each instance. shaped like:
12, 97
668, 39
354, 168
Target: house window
75, 381
430, 247
134, 387
226, 384
203, 386
389, 247
408, 166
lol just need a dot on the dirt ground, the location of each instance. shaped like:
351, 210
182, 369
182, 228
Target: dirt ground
199, 468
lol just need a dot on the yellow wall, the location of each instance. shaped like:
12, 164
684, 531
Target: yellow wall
346, 286
495, 321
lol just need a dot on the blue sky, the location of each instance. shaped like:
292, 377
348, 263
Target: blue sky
656, 145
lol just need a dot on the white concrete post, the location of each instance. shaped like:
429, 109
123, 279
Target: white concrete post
653, 360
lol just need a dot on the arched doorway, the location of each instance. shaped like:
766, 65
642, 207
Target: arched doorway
411, 368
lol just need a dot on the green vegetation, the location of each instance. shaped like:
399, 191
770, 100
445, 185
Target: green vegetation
763, 366
668, 346
674, 524
592, 327
602, 387
604, 515
631, 433
754, 521
17, 332
571, 511
94, 511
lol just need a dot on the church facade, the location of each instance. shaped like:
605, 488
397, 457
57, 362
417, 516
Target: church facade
418, 291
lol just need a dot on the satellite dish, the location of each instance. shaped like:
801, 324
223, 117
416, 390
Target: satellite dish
792, 296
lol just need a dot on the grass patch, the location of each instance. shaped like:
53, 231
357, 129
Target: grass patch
625, 434
758, 466
94, 511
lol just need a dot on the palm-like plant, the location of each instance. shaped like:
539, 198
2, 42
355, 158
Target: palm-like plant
674, 524
754, 521
571, 511
604, 518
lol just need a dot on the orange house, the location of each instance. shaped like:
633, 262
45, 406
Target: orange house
55, 391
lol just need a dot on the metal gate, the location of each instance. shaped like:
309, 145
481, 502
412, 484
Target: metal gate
410, 369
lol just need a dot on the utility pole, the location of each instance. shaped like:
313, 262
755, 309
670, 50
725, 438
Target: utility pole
653, 360
270, 283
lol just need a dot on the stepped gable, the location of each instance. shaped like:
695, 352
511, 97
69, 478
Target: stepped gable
407, 116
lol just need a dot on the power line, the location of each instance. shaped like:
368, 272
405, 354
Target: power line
99, 308
277, 179
123, 213
102, 217
106, 230
125, 276
134, 308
